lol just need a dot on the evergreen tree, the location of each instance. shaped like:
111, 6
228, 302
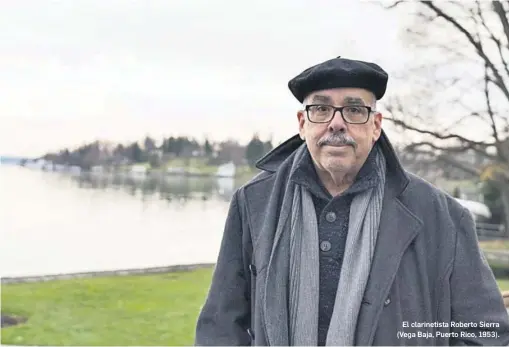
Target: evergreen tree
493, 199
254, 150
207, 148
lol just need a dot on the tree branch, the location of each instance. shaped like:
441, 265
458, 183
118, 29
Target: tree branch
502, 14
452, 149
477, 32
477, 45
497, 42
395, 4
500, 151
462, 166
454, 162
464, 118
441, 136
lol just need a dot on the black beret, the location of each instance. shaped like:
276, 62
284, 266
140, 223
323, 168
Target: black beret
340, 73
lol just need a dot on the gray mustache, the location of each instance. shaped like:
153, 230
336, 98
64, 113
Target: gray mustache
337, 139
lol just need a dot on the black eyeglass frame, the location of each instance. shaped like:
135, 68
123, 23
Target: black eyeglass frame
340, 109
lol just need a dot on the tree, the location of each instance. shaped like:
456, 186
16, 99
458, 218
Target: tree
134, 153
189, 147
493, 199
118, 155
268, 146
229, 151
149, 144
207, 149
464, 50
254, 150
164, 146
62, 157
154, 160
90, 155
169, 145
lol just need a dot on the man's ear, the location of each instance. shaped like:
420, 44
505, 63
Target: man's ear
377, 131
302, 120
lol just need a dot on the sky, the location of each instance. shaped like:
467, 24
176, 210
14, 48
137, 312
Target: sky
83, 70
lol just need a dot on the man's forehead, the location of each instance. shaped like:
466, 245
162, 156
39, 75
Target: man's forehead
342, 96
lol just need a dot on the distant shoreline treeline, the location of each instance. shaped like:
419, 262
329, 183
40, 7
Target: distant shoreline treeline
99, 153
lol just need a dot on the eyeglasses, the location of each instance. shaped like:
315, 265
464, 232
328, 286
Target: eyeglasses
350, 114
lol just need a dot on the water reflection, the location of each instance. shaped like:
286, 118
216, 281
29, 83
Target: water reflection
170, 188
54, 222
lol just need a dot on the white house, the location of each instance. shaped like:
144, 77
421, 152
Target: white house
226, 170
138, 171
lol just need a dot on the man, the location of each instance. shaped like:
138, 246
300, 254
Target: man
334, 243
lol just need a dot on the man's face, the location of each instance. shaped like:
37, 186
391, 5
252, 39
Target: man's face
336, 145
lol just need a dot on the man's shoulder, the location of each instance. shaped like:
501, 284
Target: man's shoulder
425, 194
260, 182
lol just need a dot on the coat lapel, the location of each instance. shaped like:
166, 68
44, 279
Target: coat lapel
275, 295
398, 227
274, 306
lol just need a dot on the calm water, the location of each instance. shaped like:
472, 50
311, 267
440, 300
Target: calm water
54, 223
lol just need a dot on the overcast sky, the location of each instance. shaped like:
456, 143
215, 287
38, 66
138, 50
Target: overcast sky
75, 71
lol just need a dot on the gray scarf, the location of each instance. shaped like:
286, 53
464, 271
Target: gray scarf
299, 246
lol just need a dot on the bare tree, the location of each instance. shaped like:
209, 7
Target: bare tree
457, 107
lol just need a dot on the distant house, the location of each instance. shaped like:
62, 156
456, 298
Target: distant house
138, 171
226, 170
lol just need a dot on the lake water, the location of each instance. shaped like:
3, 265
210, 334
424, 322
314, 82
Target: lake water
54, 223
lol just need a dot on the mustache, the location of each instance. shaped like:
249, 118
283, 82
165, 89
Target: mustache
337, 139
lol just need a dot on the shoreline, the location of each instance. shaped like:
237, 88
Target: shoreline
493, 255
106, 273
143, 169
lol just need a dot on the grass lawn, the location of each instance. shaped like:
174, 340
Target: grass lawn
196, 165
140, 310
503, 284
495, 245
156, 309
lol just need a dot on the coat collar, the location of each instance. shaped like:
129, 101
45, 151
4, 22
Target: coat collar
398, 227
396, 175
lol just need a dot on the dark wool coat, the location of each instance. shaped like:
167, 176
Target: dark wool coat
429, 283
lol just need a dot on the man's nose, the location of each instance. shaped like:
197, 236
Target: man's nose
337, 124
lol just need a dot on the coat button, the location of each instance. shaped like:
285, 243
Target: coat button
387, 301
330, 217
325, 246
252, 268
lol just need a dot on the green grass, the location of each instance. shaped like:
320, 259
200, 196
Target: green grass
144, 310
498, 245
503, 284
184, 162
132, 310
197, 164
201, 166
